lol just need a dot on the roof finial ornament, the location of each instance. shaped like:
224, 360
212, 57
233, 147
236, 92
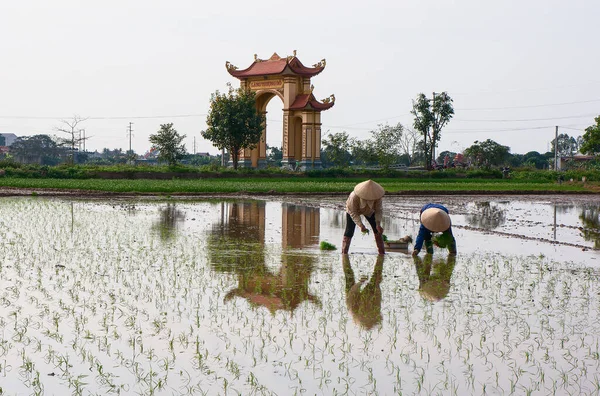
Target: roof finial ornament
230, 66
255, 57
330, 99
321, 63
312, 88
294, 52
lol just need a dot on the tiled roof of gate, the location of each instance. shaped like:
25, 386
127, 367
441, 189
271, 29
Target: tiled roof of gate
276, 65
304, 101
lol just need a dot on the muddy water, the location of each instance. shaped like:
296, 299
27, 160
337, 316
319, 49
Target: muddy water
234, 296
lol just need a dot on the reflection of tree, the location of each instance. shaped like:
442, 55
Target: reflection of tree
364, 298
434, 277
488, 216
590, 219
170, 217
285, 289
563, 208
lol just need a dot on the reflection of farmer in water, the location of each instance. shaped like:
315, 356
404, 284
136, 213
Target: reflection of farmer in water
364, 298
285, 290
365, 200
435, 218
434, 276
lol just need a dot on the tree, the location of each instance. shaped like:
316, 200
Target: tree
487, 153
337, 149
409, 143
275, 155
386, 142
364, 153
591, 139
233, 122
567, 145
442, 157
430, 118
39, 149
73, 130
168, 143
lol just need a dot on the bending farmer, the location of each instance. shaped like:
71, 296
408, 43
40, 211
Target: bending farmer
435, 218
366, 200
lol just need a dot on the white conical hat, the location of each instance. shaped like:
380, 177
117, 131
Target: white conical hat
435, 220
369, 190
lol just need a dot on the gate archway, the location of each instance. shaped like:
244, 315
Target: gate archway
289, 80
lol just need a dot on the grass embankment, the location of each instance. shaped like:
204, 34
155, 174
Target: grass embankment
296, 185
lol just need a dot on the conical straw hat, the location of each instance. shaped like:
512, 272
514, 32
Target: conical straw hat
435, 220
369, 190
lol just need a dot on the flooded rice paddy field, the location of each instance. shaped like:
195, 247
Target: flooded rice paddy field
130, 296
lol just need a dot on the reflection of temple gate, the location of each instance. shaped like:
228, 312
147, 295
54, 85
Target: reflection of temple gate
288, 79
300, 226
237, 245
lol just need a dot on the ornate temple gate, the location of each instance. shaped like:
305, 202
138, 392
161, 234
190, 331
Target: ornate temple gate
288, 79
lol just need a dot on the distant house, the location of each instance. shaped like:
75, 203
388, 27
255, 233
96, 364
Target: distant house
568, 161
9, 138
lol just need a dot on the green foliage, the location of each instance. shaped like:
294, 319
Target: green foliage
429, 120
274, 156
168, 142
487, 153
591, 139
337, 149
233, 122
387, 144
39, 149
567, 145
326, 246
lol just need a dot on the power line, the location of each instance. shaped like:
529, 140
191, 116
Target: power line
523, 90
103, 117
528, 106
527, 119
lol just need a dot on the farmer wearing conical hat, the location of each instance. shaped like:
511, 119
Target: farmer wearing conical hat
365, 200
435, 218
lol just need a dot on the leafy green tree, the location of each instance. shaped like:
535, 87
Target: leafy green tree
387, 144
430, 117
274, 155
168, 143
591, 139
337, 148
487, 153
39, 149
441, 157
364, 153
567, 145
233, 122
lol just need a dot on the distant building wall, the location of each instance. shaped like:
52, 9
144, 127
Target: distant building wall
9, 137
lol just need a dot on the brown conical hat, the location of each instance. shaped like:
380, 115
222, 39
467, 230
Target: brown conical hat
369, 190
435, 220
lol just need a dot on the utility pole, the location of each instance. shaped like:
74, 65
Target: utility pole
130, 130
84, 140
194, 145
556, 149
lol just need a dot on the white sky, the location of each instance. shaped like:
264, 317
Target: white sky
532, 63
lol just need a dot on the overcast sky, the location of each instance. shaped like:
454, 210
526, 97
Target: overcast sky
515, 69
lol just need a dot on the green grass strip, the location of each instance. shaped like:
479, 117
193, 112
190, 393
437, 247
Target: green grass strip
285, 185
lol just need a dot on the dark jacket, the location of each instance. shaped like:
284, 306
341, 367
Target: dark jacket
425, 234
